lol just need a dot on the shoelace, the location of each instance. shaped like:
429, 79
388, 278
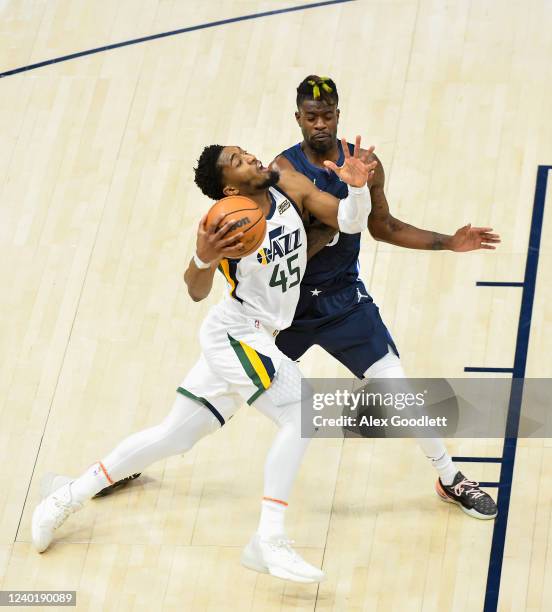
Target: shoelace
475, 492
286, 545
66, 509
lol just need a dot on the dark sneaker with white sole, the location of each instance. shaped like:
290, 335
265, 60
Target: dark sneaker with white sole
467, 494
116, 485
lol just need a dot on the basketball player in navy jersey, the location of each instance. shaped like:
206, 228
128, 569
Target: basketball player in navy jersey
335, 310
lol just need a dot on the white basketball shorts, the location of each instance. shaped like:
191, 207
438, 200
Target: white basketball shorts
238, 361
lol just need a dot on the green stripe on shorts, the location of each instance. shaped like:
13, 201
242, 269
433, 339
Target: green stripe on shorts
248, 367
203, 401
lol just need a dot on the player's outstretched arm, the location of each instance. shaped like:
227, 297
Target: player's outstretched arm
348, 215
386, 228
211, 247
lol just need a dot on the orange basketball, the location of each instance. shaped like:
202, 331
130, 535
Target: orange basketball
245, 216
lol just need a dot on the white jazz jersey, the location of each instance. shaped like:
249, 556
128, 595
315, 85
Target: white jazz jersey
264, 286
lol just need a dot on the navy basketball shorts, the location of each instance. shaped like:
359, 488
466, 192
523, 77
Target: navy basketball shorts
345, 323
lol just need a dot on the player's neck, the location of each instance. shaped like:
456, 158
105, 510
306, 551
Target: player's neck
316, 158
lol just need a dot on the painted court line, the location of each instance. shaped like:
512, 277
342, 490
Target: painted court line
516, 394
498, 284
489, 369
478, 459
201, 26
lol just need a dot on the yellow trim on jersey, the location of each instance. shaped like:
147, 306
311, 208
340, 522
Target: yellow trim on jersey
226, 271
257, 364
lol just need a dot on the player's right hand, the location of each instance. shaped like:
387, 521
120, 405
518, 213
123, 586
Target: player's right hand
357, 170
212, 245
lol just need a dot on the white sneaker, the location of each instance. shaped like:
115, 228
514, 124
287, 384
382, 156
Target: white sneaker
276, 557
52, 511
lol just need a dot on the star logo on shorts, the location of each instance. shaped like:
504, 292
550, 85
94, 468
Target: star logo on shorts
316, 292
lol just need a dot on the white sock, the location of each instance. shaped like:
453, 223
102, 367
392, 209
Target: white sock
272, 518
442, 463
88, 484
282, 404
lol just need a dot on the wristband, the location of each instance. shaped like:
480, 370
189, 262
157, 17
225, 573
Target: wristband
200, 264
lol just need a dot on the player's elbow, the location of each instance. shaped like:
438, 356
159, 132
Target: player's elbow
196, 293
378, 228
378, 236
196, 297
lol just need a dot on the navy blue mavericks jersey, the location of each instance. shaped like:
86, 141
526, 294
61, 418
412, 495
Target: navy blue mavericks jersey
336, 265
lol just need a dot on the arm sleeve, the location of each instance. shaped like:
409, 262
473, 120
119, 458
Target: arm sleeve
353, 211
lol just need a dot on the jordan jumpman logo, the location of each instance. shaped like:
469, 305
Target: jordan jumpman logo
360, 295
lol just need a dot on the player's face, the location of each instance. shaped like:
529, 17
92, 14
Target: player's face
243, 172
318, 121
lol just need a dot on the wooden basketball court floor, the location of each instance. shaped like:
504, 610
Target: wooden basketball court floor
98, 213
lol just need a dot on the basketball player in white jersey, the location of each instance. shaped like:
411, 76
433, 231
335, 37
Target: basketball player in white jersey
239, 359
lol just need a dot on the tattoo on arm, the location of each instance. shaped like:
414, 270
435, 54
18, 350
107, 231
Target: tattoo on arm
396, 225
383, 226
437, 244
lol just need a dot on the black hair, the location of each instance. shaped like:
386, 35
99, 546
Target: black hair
208, 172
315, 87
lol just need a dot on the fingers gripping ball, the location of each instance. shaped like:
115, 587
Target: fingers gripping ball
245, 216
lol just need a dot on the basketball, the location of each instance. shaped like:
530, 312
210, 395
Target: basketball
245, 216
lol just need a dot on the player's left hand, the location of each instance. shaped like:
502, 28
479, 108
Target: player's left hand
470, 238
357, 170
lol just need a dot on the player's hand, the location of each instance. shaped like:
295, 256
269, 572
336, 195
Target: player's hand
212, 244
357, 170
470, 238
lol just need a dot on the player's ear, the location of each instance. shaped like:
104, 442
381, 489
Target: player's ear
337, 114
298, 117
230, 190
